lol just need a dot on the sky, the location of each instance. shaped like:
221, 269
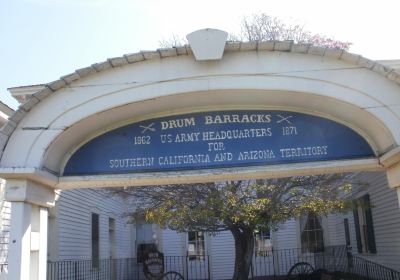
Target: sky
42, 40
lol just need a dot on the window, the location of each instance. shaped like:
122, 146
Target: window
146, 233
196, 247
95, 240
363, 225
347, 231
262, 246
111, 238
147, 240
312, 239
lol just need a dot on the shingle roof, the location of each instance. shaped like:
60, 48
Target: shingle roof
8, 108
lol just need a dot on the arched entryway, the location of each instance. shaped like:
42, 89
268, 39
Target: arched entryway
330, 84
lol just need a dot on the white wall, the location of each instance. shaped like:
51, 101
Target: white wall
222, 255
5, 213
173, 243
386, 220
75, 206
286, 237
221, 249
335, 229
73, 220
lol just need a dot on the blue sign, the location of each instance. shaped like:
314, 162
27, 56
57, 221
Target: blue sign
217, 139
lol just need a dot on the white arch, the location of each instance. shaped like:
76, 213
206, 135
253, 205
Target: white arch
41, 135
350, 93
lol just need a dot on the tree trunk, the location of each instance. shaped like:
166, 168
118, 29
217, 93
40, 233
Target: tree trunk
244, 249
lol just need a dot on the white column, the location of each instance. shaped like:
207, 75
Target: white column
27, 257
20, 241
393, 176
44, 214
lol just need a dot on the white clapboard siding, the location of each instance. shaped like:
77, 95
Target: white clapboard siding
75, 206
334, 234
5, 214
222, 255
284, 241
74, 210
286, 237
386, 220
174, 247
220, 252
173, 243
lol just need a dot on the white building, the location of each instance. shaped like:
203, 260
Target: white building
57, 119
70, 225
5, 207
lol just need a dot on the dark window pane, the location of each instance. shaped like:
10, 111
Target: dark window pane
192, 235
95, 240
347, 231
262, 243
196, 245
312, 234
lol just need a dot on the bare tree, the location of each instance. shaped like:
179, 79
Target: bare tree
262, 27
173, 42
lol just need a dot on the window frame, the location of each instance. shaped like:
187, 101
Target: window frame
197, 243
263, 236
364, 226
310, 248
95, 240
347, 231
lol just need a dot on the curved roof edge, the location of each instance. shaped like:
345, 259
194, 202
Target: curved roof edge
281, 46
